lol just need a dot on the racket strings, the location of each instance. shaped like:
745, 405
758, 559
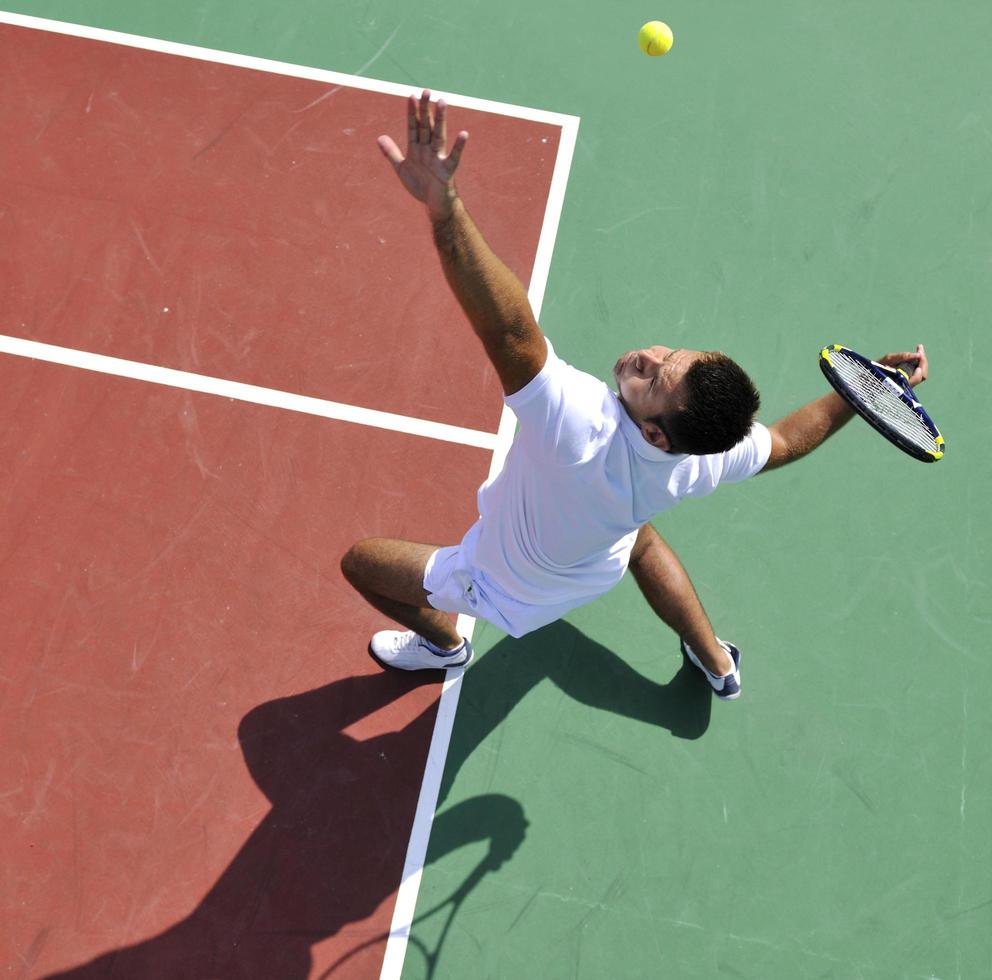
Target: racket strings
884, 400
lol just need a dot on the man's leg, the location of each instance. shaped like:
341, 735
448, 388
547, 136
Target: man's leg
670, 593
389, 574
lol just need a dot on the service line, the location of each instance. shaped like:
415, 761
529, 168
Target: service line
245, 393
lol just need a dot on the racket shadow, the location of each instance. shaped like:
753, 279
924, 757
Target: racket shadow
327, 853
492, 817
585, 671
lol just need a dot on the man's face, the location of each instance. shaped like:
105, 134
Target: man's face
650, 383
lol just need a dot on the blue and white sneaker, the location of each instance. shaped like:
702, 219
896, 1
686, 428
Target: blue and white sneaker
410, 651
727, 687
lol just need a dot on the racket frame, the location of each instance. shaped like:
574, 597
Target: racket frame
898, 381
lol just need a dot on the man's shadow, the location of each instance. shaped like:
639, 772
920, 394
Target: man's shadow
328, 851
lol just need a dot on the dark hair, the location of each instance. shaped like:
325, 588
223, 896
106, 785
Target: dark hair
720, 408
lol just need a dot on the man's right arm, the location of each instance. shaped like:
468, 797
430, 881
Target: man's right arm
800, 432
803, 430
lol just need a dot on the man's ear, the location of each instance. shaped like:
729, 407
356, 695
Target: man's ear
655, 435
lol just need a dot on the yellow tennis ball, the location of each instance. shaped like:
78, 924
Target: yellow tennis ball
655, 38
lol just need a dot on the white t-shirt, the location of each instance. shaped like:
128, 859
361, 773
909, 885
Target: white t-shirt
559, 520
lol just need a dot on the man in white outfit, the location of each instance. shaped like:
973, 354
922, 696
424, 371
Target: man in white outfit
570, 511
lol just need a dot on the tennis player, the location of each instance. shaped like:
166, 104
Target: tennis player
589, 468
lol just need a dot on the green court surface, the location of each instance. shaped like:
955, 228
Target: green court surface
792, 174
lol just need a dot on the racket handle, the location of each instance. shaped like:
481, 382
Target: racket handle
908, 367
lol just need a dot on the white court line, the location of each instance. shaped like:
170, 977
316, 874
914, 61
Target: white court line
413, 869
406, 899
245, 392
281, 68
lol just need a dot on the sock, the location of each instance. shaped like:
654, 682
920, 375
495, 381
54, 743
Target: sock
442, 653
732, 667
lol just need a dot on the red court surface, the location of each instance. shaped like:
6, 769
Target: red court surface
203, 772
207, 218
170, 573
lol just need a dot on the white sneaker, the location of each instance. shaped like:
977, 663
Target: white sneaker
409, 651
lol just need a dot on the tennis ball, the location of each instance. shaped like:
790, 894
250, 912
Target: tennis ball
655, 38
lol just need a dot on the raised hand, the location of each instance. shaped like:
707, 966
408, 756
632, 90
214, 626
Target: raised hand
427, 171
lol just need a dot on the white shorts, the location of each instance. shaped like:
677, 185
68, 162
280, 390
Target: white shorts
454, 585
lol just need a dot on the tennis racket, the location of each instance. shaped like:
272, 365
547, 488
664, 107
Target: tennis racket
882, 396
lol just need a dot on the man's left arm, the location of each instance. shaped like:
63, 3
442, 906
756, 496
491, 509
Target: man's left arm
800, 432
493, 298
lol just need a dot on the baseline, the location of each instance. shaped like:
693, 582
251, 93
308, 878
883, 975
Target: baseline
281, 68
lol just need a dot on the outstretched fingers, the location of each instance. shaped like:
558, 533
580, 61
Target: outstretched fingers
427, 167
456, 150
424, 118
411, 120
390, 150
439, 138
418, 128
440, 135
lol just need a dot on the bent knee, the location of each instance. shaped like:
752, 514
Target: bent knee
355, 561
388, 567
